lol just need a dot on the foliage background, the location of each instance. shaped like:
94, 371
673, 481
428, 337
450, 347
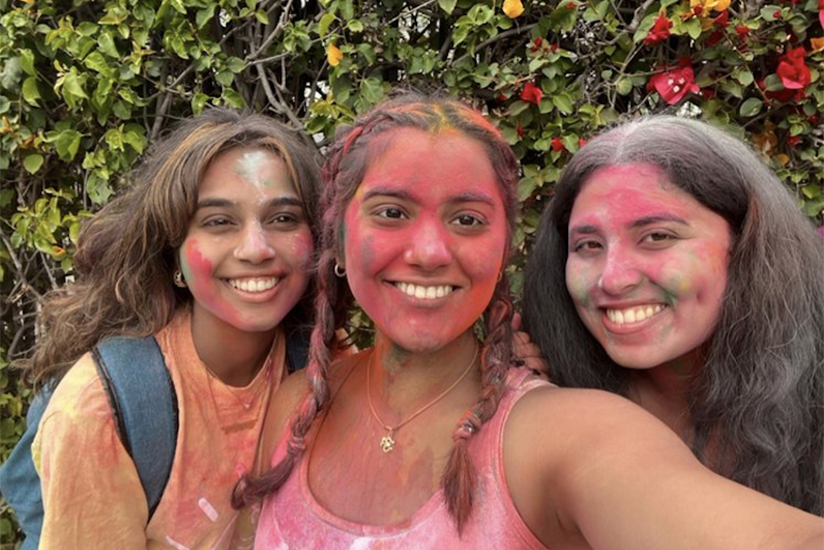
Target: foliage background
86, 84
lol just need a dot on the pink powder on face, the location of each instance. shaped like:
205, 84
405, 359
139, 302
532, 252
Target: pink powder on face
642, 247
203, 285
428, 213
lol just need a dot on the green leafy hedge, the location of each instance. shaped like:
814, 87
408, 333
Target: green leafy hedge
85, 85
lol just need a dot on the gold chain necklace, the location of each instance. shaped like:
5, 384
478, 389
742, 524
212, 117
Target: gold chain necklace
387, 441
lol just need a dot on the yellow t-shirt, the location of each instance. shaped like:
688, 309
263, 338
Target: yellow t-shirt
92, 495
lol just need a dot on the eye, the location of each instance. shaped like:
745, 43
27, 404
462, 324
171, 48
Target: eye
284, 218
468, 220
658, 237
216, 221
390, 212
587, 246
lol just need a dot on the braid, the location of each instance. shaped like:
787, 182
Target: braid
458, 480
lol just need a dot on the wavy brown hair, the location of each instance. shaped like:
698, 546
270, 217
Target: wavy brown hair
343, 172
760, 394
126, 254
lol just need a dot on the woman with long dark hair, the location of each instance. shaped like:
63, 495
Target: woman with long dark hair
719, 334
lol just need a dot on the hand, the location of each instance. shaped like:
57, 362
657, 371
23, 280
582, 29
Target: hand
525, 351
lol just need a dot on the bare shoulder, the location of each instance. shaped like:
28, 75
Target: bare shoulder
294, 390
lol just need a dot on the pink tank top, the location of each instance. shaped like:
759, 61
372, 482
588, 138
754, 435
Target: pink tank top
293, 519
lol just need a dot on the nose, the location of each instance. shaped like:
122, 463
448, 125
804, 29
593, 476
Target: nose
621, 273
254, 247
429, 247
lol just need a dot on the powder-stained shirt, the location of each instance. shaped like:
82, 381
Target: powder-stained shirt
91, 491
293, 519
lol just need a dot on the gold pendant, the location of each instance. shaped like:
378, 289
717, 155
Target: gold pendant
387, 443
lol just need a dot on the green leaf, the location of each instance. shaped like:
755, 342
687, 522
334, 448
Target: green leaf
225, 77
205, 15
30, 92
235, 64
355, 25
750, 107
233, 98
135, 140
10, 75
32, 163
624, 86
67, 144
694, 28
743, 76
262, 16
106, 45
563, 103
114, 139
448, 5
27, 62
198, 102
326, 22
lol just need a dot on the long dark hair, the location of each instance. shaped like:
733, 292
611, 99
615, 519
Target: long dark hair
125, 256
343, 172
760, 394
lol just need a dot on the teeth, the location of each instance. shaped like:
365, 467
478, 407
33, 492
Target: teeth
633, 314
253, 285
424, 292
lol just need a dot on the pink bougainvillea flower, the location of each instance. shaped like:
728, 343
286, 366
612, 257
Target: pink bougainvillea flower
792, 141
581, 142
674, 85
520, 131
792, 71
743, 32
660, 31
714, 38
722, 20
557, 144
531, 93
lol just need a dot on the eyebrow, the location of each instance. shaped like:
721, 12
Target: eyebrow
468, 196
647, 220
225, 203
640, 222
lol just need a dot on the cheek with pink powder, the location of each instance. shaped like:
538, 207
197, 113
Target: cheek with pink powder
197, 270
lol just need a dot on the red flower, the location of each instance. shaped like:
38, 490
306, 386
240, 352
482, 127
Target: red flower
557, 144
531, 93
814, 120
714, 38
520, 130
792, 141
722, 20
743, 32
554, 47
659, 32
581, 142
536, 44
698, 10
821, 12
570, 5
794, 74
674, 85
708, 93
783, 96
501, 98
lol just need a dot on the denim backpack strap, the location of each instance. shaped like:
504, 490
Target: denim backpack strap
19, 481
144, 404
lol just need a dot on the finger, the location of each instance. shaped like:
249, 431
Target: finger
516, 322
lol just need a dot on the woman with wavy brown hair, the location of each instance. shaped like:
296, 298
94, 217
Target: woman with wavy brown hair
431, 439
209, 250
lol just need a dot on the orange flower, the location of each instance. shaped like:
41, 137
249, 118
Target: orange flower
707, 5
513, 8
333, 55
817, 44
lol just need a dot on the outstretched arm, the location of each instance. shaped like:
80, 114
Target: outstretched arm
611, 476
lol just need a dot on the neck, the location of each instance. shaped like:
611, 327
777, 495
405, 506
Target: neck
664, 390
232, 355
401, 380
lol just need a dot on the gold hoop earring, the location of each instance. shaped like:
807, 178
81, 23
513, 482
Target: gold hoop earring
180, 282
339, 271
